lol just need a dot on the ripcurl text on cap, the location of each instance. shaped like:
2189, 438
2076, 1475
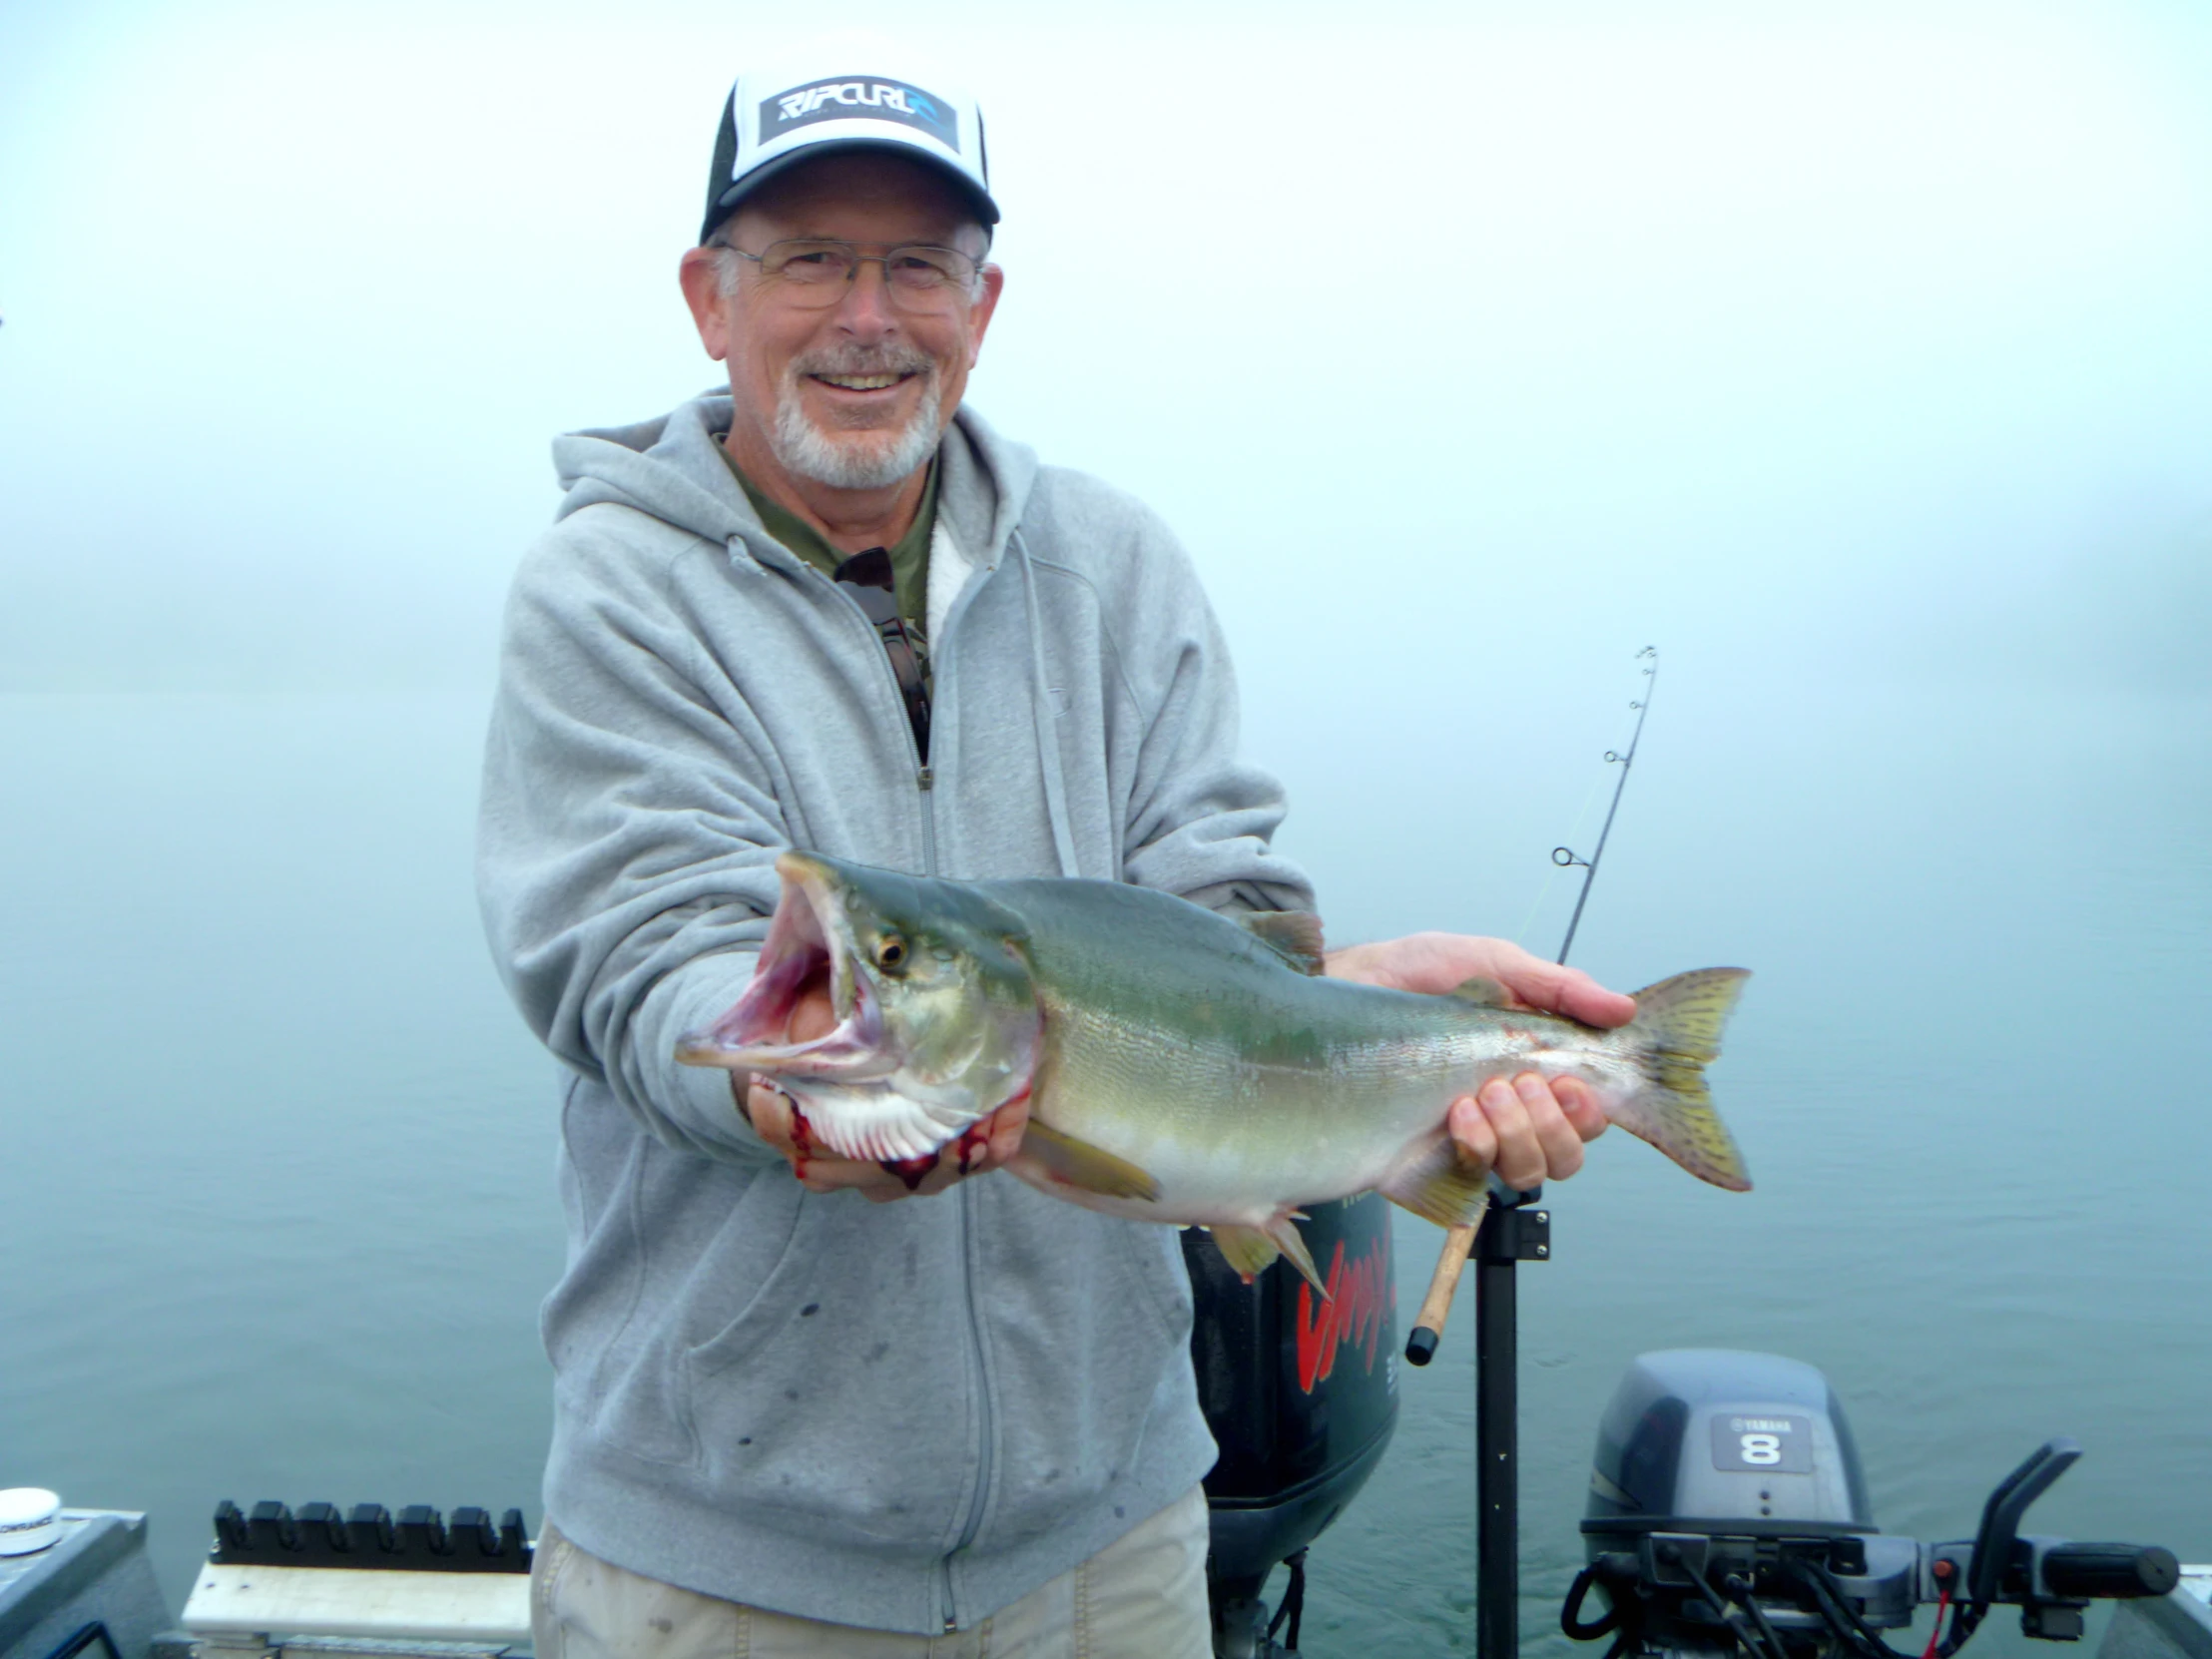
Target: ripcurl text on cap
787, 114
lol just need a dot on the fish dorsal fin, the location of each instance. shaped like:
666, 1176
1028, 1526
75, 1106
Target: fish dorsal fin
1294, 936
1075, 1162
1484, 993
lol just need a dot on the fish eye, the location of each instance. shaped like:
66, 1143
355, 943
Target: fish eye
890, 951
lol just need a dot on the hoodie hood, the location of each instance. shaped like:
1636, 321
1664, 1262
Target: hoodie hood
672, 468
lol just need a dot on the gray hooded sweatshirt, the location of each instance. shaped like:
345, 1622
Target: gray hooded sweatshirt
902, 1415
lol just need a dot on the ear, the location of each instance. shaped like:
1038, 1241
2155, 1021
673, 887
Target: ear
994, 279
709, 306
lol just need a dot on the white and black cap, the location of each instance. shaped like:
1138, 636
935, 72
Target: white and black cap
813, 106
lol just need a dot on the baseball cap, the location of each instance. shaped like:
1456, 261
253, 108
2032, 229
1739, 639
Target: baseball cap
808, 106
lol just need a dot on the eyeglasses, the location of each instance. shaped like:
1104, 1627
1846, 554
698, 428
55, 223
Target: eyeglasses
817, 272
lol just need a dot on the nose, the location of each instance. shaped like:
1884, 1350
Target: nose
866, 309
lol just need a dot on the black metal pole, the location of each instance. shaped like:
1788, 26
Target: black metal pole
1511, 1231
1496, 1446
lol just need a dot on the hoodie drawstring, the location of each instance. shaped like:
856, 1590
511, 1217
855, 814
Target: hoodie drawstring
1048, 744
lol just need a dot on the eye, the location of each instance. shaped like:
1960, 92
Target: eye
890, 951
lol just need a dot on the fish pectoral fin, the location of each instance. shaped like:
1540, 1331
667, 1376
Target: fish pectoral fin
1294, 936
1484, 993
1077, 1163
1437, 1187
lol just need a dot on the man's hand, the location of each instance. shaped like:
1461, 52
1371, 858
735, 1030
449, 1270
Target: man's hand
1525, 1130
987, 1144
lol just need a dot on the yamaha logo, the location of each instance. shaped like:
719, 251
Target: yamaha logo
858, 98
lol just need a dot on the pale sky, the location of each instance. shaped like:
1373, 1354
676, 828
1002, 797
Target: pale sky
1456, 340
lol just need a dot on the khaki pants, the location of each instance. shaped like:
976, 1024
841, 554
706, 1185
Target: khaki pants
1143, 1598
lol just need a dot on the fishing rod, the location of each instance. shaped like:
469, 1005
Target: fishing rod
1511, 1232
1565, 857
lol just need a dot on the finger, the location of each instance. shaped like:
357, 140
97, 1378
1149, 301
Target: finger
1579, 1101
1562, 1147
1471, 1132
874, 1182
1003, 1130
950, 1168
769, 1110
774, 1119
1565, 990
1520, 1158
813, 1013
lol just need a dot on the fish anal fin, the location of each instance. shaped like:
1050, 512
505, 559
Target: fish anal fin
1246, 1249
1250, 1249
1077, 1163
1437, 1187
1294, 936
1484, 993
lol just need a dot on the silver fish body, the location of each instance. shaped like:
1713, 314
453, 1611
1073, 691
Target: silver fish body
1180, 1067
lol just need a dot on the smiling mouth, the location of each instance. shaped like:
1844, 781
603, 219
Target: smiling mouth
861, 382
755, 1035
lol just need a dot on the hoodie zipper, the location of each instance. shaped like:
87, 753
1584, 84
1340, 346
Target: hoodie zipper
925, 776
925, 784
926, 789
987, 1427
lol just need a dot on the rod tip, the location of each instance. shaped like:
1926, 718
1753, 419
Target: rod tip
1420, 1345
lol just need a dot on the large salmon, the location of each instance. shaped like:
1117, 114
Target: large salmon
1181, 1066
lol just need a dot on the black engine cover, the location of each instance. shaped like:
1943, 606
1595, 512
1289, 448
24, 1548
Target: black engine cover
1301, 1393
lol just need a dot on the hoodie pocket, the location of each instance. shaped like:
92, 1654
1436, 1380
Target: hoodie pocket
775, 1291
839, 1396
722, 1249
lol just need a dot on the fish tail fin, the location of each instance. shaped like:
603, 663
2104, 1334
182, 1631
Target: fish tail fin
1675, 1034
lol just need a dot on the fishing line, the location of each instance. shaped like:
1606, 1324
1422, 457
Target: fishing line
1552, 871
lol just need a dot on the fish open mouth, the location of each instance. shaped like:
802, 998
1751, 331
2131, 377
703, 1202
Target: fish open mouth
807, 951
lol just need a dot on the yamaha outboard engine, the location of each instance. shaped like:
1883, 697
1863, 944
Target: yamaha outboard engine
1301, 1393
1728, 1514
1708, 1433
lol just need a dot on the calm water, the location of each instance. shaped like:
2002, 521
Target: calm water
278, 1157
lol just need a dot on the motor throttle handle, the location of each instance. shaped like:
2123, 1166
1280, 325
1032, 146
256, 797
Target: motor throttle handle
2104, 1570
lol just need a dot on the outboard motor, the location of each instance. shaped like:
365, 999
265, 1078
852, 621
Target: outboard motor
1728, 1514
1301, 1393
1710, 1433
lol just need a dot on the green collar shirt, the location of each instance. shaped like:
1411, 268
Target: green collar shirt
910, 554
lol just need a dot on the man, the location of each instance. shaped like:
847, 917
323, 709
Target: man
833, 609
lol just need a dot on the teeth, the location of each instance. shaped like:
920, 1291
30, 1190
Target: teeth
860, 382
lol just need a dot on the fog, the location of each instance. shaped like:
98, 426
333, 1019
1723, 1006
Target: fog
1452, 340
1857, 356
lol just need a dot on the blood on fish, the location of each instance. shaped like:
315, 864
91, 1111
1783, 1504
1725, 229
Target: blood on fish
974, 1145
802, 1139
911, 1170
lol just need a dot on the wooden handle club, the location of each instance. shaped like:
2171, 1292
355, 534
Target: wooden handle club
1435, 1307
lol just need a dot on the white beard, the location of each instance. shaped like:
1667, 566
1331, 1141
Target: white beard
860, 458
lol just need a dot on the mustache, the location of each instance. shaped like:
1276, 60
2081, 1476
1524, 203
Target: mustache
888, 359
